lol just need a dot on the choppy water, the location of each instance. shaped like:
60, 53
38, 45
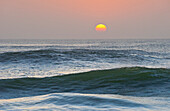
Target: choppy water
85, 75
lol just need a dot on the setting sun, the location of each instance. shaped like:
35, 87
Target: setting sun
101, 27
85, 55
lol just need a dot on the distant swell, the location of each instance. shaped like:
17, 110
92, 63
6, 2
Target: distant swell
134, 81
78, 54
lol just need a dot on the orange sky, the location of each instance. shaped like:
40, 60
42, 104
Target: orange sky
78, 18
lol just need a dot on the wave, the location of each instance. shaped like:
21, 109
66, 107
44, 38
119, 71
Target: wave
80, 101
134, 81
80, 54
59, 101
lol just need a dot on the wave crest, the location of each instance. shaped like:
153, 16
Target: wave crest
135, 81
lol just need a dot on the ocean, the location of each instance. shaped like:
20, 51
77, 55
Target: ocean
84, 75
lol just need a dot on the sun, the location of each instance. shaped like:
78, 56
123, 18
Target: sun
101, 28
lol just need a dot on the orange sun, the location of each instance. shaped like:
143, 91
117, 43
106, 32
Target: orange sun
101, 27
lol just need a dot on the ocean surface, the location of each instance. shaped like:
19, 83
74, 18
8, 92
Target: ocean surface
85, 75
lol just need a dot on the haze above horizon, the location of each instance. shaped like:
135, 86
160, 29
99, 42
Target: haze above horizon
77, 19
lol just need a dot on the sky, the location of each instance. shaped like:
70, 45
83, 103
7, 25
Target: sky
77, 19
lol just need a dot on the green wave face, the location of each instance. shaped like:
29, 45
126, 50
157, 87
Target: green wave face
134, 81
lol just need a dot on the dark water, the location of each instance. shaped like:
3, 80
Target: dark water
85, 75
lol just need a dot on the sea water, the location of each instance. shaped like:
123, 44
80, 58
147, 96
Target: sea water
115, 75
